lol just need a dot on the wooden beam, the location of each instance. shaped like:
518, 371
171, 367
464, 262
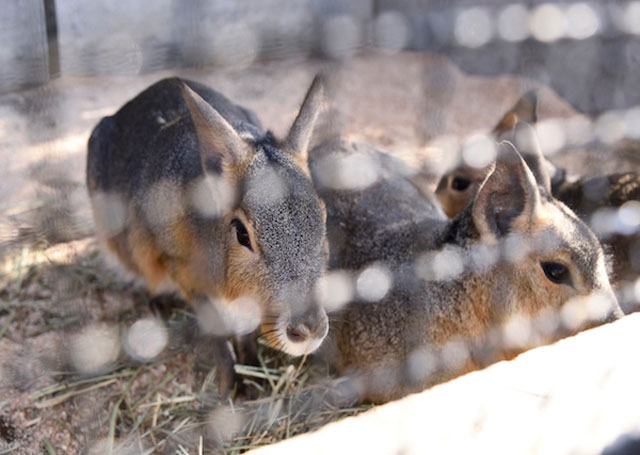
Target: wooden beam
579, 395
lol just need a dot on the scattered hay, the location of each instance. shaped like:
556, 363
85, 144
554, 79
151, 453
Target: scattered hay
169, 404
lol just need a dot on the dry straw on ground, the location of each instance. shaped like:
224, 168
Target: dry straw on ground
169, 404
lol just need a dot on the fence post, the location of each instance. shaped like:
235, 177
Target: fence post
51, 25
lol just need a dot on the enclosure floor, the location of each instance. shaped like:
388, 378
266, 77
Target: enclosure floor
402, 103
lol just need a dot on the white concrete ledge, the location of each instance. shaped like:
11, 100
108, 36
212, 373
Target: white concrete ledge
576, 396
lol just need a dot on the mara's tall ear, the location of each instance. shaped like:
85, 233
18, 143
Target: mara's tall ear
297, 141
508, 198
526, 141
220, 145
523, 111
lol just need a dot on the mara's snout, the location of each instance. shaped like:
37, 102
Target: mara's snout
296, 333
304, 333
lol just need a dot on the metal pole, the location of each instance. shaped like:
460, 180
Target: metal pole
51, 25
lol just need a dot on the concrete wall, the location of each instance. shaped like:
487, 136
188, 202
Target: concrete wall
113, 37
595, 70
23, 53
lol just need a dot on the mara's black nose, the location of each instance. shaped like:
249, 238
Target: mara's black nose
313, 324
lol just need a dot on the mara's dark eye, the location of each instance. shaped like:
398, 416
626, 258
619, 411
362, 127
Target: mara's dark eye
460, 183
556, 272
241, 233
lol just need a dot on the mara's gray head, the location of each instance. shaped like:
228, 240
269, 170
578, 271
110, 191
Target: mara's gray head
269, 226
548, 256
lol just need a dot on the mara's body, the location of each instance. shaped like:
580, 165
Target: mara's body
190, 193
513, 251
373, 211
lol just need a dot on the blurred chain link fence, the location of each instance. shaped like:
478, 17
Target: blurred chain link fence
67, 311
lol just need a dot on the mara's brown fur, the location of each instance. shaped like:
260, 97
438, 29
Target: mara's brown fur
191, 194
583, 194
512, 253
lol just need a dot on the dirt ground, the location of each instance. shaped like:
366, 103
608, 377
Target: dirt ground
55, 287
